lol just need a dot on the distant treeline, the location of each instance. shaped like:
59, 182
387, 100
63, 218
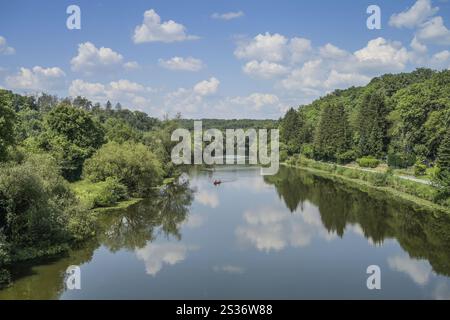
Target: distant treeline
222, 124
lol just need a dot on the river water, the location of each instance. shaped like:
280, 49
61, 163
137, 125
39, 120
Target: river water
290, 236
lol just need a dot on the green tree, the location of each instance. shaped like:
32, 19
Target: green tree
119, 131
333, 133
7, 123
443, 164
71, 136
292, 131
108, 106
132, 164
372, 125
82, 102
37, 207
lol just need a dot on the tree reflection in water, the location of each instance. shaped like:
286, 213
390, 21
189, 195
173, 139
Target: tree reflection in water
423, 234
162, 214
131, 228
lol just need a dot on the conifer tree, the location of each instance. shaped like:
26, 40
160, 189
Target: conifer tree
443, 164
291, 131
333, 133
372, 125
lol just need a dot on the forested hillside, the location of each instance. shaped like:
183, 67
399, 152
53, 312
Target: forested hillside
400, 119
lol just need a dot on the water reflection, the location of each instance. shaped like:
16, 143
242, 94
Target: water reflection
155, 256
273, 228
163, 214
132, 229
423, 235
293, 235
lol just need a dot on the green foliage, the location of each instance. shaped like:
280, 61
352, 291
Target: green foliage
132, 164
372, 125
292, 131
346, 157
443, 174
101, 194
368, 162
75, 125
420, 169
333, 134
7, 122
400, 160
37, 207
119, 131
71, 136
308, 150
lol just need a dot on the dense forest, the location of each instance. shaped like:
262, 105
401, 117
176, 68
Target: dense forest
402, 120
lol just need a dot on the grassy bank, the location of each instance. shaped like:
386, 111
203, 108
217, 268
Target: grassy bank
394, 186
101, 195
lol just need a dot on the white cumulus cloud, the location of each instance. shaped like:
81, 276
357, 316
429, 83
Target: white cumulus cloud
414, 16
5, 48
128, 93
153, 29
434, 31
263, 47
91, 59
264, 69
36, 79
228, 15
182, 64
207, 87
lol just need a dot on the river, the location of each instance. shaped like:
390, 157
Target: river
290, 236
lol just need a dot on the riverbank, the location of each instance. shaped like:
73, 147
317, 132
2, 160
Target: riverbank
414, 192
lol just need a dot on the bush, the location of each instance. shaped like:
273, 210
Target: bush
308, 151
101, 194
131, 164
378, 179
37, 206
346, 157
400, 160
283, 155
368, 162
420, 169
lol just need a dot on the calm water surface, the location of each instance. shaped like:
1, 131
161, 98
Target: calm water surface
290, 236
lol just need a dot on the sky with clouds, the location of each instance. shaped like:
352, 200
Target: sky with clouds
216, 59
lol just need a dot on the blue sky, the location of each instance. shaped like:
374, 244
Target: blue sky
221, 58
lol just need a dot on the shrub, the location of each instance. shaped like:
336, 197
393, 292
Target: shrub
101, 194
283, 155
352, 174
419, 169
308, 151
400, 160
346, 157
37, 205
131, 164
378, 179
368, 162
